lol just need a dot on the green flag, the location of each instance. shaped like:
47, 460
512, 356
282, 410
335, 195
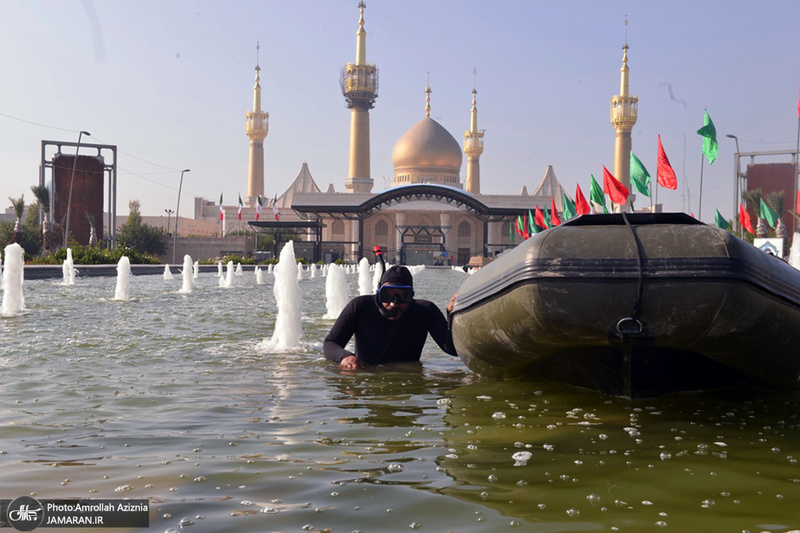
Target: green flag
640, 178
720, 221
511, 230
768, 214
569, 207
597, 197
531, 226
709, 133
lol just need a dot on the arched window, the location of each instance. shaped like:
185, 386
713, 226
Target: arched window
381, 228
337, 228
464, 231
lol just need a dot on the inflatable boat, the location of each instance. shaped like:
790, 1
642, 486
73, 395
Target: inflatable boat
633, 305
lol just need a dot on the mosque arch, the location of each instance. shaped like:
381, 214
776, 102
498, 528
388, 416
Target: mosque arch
429, 192
381, 228
464, 232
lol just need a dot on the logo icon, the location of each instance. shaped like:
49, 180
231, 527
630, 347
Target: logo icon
25, 513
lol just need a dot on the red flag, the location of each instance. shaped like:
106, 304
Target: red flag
518, 227
525, 233
744, 219
538, 218
666, 176
581, 205
613, 188
554, 220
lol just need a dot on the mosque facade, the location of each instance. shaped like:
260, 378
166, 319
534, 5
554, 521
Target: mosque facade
427, 215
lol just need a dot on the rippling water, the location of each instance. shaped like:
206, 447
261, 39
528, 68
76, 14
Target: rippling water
172, 397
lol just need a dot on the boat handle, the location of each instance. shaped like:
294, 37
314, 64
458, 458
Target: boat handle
623, 327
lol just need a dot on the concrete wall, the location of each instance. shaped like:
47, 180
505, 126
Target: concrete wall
201, 248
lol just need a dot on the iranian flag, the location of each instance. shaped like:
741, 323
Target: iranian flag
613, 188
239, 213
221, 210
275, 206
258, 207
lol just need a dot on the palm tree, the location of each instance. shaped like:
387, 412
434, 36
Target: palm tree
19, 209
92, 229
42, 194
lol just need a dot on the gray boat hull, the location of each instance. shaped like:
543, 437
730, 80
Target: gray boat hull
661, 303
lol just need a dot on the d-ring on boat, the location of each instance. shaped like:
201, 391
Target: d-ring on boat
634, 305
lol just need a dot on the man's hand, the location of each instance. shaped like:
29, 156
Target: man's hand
451, 303
349, 363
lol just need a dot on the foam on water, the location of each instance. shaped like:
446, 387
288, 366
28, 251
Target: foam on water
14, 275
337, 291
227, 280
286, 335
123, 279
364, 277
68, 269
187, 274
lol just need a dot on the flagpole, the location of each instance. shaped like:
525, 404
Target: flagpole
656, 186
700, 201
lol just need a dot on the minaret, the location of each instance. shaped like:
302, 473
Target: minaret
473, 148
623, 117
256, 127
359, 82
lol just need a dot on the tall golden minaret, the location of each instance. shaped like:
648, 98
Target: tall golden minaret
257, 127
359, 82
473, 148
623, 117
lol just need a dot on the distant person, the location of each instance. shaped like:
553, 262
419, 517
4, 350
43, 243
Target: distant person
390, 326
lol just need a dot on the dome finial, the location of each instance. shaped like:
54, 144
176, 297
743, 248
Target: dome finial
428, 97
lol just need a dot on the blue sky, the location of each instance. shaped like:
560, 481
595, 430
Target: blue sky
169, 82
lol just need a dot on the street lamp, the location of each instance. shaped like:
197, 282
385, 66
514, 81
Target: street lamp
736, 170
71, 183
169, 213
177, 208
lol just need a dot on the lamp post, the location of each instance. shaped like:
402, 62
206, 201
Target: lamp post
177, 209
71, 183
736, 225
169, 216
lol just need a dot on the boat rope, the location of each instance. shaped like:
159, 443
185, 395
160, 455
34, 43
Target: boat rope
632, 324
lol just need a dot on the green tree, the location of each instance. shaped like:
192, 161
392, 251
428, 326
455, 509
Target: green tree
19, 208
140, 237
42, 194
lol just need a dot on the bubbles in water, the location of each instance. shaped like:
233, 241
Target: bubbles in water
521, 458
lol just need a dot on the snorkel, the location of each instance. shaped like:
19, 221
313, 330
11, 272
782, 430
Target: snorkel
384, 312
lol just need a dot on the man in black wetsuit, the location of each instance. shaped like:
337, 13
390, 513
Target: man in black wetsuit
390, 326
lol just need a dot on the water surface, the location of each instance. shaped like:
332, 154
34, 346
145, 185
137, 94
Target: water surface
172, 397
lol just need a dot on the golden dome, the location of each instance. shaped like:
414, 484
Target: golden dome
427, 145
